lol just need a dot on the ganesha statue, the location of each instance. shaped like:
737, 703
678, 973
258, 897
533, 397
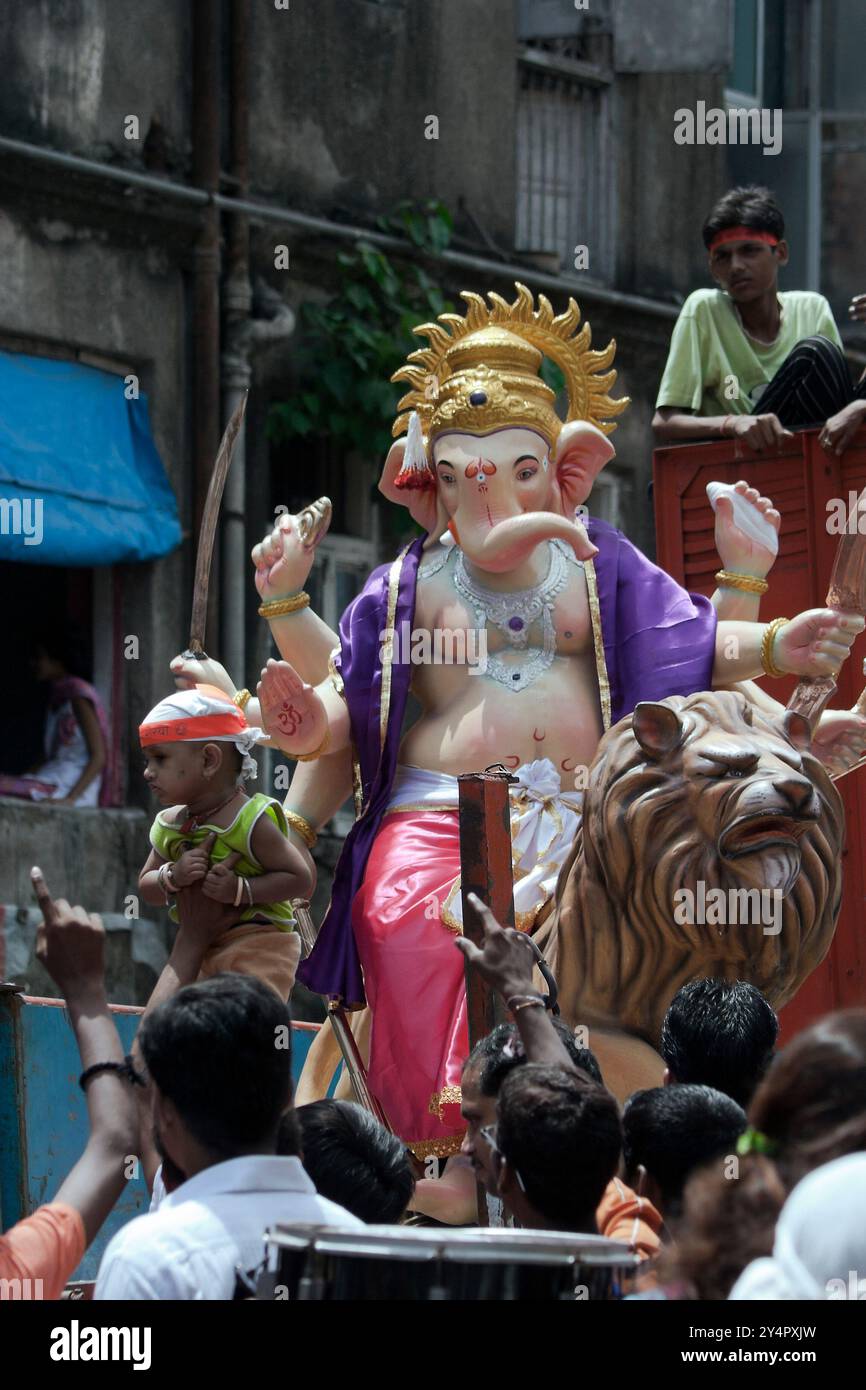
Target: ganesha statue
525, 628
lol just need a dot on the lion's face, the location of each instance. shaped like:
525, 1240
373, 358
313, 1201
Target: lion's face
749, 796
699, 794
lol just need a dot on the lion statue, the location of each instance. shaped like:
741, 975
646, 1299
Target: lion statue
710, 846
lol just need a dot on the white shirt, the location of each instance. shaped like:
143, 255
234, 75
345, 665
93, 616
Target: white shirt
211, 1224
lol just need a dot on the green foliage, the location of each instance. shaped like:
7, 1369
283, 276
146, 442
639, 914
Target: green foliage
349, 348
552, 375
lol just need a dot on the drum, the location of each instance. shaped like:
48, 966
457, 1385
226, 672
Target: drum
419, 1264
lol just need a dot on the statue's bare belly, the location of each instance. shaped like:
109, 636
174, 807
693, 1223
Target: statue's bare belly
477, 720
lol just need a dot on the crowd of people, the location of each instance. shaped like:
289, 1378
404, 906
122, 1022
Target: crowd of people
740, 1177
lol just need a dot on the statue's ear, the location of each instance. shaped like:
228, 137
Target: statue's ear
798, 730
422, 502
581, 453
657, 728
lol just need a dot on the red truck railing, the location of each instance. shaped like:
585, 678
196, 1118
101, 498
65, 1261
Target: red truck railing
804, 483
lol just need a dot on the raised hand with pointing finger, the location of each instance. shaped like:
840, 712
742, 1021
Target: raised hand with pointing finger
70, 942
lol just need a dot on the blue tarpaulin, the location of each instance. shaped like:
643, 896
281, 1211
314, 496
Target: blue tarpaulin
81, 482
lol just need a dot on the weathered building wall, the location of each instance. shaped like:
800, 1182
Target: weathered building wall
664, 190
89, 857
341, 93
74, 69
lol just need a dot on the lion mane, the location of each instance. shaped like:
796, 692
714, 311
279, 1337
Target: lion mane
706, 789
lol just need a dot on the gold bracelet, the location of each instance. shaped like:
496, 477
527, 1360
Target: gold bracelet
242, 698
316, 753
279, 607
748, 583
301, 827
770, 667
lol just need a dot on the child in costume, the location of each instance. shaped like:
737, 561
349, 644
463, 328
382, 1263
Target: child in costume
197, 750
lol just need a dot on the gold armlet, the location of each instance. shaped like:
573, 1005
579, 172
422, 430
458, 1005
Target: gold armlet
301, 827
316, 753
242, 698
747, 583
770, 667
279, 607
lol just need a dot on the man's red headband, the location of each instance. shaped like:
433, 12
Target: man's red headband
742, 234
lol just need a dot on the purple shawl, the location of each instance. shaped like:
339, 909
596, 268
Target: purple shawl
658, 641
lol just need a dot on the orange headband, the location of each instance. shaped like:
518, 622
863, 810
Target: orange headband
742, 234
196, 728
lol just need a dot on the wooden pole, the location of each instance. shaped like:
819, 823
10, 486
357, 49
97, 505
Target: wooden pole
485, 869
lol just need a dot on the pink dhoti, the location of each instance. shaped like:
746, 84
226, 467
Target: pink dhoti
406, 918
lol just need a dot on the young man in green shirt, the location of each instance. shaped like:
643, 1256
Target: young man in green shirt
747, 360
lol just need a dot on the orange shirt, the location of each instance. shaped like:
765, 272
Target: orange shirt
40, 1253
623, 1215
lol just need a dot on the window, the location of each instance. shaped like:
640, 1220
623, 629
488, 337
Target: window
747, 72
340, 572
563, 187
606, 500
805, 58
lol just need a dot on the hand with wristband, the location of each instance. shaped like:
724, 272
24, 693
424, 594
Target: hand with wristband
70, 944
507, 962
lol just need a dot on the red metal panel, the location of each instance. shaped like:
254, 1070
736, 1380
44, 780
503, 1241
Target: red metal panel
801, 481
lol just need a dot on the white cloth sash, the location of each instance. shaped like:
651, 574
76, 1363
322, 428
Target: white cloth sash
544, 823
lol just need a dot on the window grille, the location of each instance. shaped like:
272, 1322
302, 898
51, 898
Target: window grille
563, 172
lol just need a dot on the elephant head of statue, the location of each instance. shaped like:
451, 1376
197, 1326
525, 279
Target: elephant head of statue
486, 455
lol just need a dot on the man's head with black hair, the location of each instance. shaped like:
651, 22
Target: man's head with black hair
502, 1050
747, 265
558, 1142
355, 1161
719, 1033
670, 1131
219, 1059
750, 206
485, 1069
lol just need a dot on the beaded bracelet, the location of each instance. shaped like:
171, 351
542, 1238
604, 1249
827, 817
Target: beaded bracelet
126, 1069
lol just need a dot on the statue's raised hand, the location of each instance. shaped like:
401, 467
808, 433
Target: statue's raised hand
738, 550
285, 556
292, 713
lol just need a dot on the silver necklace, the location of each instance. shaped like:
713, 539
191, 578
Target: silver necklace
513, 614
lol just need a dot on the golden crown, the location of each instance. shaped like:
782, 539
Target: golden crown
480, 372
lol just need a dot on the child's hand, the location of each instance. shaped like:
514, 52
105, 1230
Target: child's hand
221, 883
193, 864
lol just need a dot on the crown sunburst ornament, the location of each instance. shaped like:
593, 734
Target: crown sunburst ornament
480, 371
